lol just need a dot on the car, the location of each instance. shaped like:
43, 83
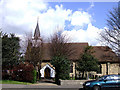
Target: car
107, 81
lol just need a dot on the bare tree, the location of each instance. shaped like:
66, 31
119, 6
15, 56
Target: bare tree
34, 52
60, 52
24, 41
111, 36
60, 46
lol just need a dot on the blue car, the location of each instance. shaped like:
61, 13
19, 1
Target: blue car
107, 81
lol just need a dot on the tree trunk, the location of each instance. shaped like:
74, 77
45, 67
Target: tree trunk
75, 72
88, 76
79, 75
83, 74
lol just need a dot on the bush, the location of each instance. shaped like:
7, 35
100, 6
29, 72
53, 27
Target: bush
62, 68
28, 73
72, 78
23, 72
6, 72
18, 72
34, 76
5, 75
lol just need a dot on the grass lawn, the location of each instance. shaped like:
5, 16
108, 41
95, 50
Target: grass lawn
14, 82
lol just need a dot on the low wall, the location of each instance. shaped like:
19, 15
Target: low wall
72, 82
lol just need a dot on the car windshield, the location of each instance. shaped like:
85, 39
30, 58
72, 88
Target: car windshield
101, 78
111, 77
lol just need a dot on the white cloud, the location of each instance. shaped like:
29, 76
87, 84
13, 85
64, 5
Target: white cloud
20, 17
53, 18
90, 35
80, 18
91, 6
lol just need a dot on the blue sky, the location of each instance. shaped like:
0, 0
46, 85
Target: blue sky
99, 11
81, 21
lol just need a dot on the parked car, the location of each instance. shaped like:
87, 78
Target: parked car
107, 81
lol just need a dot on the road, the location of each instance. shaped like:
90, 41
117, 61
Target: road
41, 86
44, 86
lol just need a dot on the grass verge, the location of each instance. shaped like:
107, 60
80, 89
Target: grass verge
13, 82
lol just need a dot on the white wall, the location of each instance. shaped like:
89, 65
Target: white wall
52, 71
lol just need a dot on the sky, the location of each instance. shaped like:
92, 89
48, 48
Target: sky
81, 21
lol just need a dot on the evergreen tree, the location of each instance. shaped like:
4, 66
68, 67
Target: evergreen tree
87, 61
10, 50
62, 67
60, 51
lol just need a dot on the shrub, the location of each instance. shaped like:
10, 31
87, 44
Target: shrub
23, 72
34, 76
18, 72
5, 75
6, 72
62, 68
28, 73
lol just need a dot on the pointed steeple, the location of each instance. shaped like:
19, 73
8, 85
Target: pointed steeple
37, 32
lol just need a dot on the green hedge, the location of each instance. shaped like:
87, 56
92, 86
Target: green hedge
34, 76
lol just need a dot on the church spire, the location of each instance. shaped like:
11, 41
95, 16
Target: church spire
37, 32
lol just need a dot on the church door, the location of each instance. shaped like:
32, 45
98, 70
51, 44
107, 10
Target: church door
47, 73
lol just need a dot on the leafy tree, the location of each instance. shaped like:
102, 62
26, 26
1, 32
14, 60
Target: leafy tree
62, 67
111, 35
87, 61
60, 51
10, 50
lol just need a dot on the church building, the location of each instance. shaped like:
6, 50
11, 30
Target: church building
108, 61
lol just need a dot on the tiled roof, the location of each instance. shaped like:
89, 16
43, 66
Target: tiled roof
102, 53
77, 47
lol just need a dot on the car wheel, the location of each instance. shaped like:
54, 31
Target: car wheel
96, 88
